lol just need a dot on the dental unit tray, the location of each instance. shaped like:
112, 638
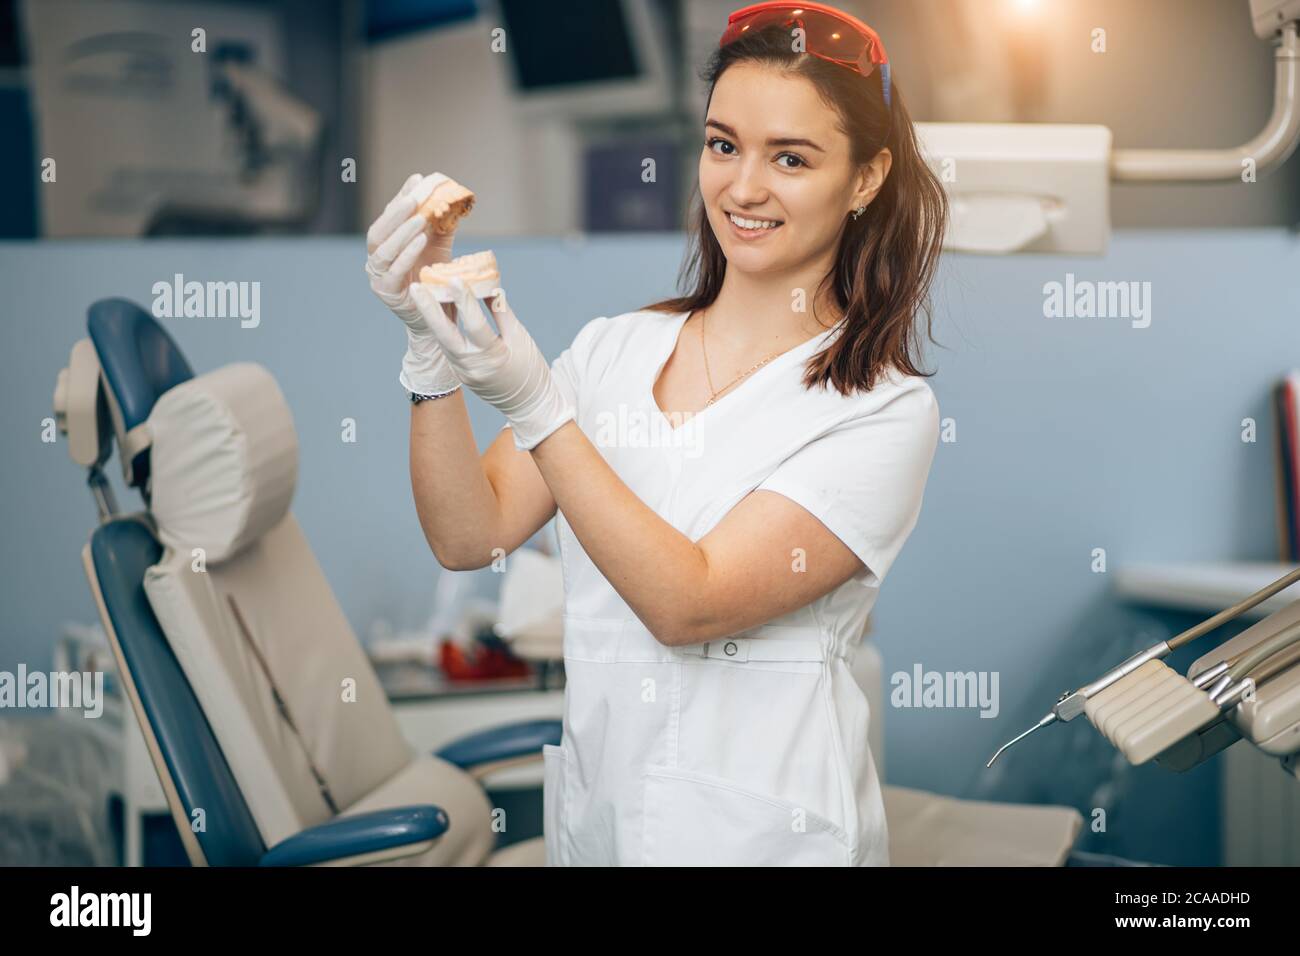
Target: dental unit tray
1249, 687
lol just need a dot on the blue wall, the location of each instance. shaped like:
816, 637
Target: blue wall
1072, 434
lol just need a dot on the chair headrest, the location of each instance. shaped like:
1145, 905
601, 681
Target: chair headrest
224, 460
139, 362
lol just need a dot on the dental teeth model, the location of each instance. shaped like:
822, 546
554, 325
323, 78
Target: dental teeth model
478, 270
447, 205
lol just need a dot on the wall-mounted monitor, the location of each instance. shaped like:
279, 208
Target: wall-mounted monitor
586, 58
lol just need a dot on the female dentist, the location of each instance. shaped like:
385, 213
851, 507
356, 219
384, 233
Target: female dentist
714, 598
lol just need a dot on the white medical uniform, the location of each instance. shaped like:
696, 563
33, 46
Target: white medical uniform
751, 749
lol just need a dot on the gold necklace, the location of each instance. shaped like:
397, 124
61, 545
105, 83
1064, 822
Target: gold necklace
714, 393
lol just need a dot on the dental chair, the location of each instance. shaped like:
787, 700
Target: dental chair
271, 735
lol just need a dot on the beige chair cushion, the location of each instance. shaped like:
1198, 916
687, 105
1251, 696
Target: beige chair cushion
524, 853
311, 653
926, 829
429, 779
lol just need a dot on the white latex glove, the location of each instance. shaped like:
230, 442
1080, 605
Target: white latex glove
399, 245
507, 371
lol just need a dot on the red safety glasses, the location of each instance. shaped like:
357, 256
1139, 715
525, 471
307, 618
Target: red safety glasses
827, 33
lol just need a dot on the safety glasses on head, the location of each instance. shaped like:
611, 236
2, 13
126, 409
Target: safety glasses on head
828, 33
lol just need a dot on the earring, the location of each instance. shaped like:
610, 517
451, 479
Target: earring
858, 212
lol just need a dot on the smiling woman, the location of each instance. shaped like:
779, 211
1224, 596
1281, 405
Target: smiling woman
717, 589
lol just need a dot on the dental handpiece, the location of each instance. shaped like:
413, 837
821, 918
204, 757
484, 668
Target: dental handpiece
1072, 703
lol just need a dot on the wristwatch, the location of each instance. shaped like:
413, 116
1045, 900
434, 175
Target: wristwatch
417, 398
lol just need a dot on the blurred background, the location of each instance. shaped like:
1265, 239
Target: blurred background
254, 142
544, 120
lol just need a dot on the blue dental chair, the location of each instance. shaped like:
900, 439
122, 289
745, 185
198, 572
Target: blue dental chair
270, 733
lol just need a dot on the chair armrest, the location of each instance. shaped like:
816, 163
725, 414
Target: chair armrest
507, 742
364, 833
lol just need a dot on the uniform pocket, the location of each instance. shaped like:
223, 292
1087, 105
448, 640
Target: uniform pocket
696, 819
555, 763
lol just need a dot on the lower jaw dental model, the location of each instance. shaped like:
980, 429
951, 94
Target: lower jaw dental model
478, 270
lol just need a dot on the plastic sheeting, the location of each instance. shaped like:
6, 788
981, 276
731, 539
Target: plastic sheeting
59, 776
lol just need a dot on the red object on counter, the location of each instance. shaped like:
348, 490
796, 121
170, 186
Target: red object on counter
483, 663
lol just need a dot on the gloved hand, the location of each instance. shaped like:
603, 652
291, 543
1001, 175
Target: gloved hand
507, 371
399, 245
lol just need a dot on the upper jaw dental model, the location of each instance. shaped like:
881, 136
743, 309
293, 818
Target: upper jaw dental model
478, 270
447, 205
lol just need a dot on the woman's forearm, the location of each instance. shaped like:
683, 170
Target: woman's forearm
457, 506
656, 569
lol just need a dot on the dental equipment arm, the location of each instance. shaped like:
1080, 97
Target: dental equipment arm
1267, 149
1226, 677
1237, 678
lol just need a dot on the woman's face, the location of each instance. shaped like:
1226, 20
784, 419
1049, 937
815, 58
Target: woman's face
775, 157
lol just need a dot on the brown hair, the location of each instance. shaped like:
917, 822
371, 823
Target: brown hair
886, 258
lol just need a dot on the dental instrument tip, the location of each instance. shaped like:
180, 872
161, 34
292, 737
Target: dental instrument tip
1051, 716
